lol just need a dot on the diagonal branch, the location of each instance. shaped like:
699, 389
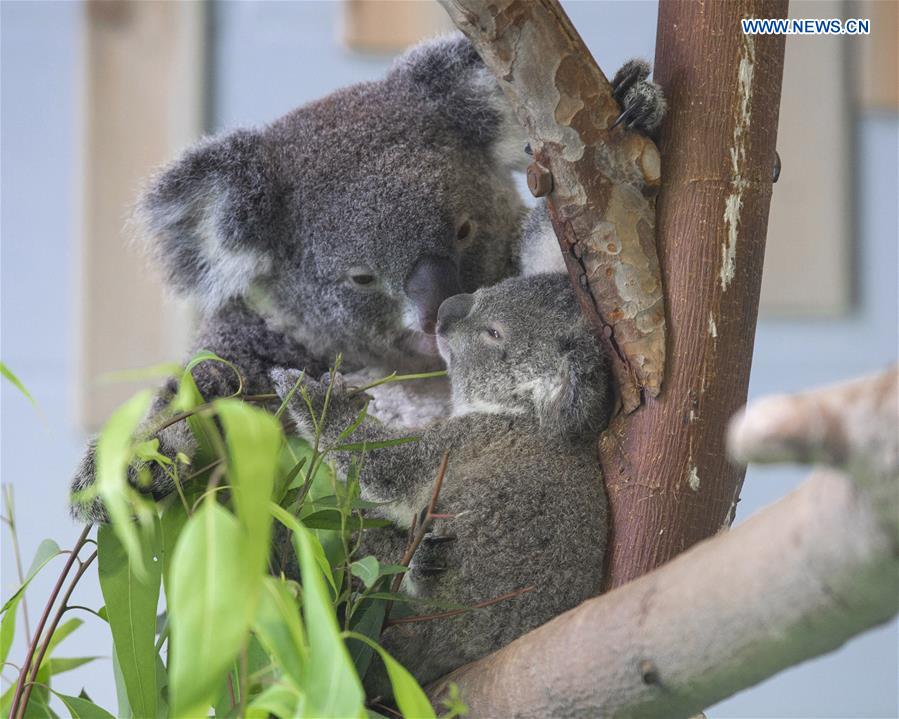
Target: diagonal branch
601, 181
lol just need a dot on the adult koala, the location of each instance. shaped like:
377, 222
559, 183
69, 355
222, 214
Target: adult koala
339, 227
522, 501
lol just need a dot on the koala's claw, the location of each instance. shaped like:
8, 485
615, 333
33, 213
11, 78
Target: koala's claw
642, 100
632, 72
432, 539
430, 569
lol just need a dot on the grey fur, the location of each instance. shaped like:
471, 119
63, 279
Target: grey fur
265, 227
523, 484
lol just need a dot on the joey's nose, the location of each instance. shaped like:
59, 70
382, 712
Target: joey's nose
431, 281
452, 310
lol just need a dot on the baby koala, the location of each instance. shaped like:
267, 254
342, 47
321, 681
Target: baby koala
522, 503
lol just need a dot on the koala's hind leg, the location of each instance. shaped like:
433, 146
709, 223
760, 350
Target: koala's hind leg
642, 101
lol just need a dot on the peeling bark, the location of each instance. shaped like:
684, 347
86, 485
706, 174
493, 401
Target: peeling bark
600, 182
669, 482
796, 580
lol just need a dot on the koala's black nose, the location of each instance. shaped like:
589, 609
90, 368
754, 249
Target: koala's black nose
452, 310
431, 281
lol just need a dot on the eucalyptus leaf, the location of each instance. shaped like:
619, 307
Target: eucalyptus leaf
331, 685
82, 708
409, 697
8, 627
367, 620
113, 456
254, 440
368, 446
366, 569
131, 602
332, 519
281, 700
46, 550
289, 521
280, 630
211, 607
66, 664
17, 383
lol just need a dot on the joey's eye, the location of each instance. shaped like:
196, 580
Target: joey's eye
363, 280
492, 334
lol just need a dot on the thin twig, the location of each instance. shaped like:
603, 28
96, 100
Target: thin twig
423, 528
18, 555
417, 533
457, 612
32, 647
394, 377
36, 665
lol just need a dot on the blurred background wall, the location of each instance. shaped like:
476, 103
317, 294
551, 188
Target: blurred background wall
94, 96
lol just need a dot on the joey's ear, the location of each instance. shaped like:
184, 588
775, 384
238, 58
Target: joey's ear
214, 215
453, 77
578, 398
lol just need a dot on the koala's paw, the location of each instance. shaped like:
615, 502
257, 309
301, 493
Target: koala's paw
642, 101
431, 559
343, 406
85, 509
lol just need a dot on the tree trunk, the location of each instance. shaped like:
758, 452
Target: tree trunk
669, 482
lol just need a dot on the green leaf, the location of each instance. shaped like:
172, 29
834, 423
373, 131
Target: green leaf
38, 707
8, 627
17, 383
121, 692
280, 630
254, 441
368, 621
331, 685
66, 664
46, 550
368, 446
333, 520
171, 523
158, 371
211, 607
114, 453
62, 631
289, 521
367, 570
282, 700
131, 602
82, 708
409, 697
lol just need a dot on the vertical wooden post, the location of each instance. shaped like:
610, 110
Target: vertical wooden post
669, 481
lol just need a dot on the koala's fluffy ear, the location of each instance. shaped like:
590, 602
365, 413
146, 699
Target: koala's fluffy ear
578, 399
212, 217
453, 77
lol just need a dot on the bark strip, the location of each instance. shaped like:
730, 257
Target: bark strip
600, 182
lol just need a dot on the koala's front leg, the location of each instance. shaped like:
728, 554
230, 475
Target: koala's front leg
401, 474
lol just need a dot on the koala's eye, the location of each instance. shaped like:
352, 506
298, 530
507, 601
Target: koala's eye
362, 277
492, 334
465, 233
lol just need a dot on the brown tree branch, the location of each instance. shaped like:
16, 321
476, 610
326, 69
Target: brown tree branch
794, 581
600, 182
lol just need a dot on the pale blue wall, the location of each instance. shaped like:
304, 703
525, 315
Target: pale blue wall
269, 57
